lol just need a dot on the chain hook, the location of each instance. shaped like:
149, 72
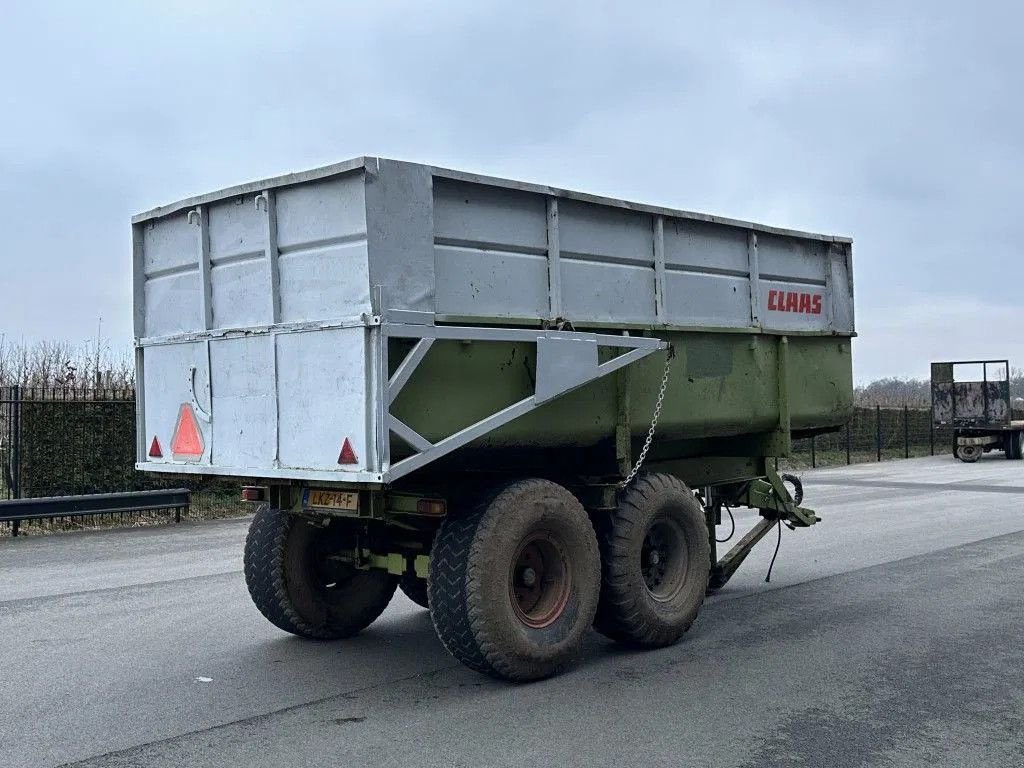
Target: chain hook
654, 421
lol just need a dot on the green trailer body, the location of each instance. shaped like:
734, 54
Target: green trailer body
415, 368
728, 395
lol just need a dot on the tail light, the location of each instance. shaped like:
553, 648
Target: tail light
433, 507
253, 493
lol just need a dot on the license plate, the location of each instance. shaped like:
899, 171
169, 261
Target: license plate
346, 500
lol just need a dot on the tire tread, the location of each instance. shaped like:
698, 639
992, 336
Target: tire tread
620, 615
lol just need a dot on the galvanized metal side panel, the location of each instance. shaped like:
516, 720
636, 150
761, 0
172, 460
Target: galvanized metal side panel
400, 226
791, 259
169, 244
700, 298
171, 277
611, 235
324, 283
241, 293
841, 285
707, 274
694, 246
168, 383
507, 253
321, 242
606, 261
475, 282
244, 412
172, 303
214, 267
479, 216
499, 256
264, 401
323, 394
609, 294
490, 251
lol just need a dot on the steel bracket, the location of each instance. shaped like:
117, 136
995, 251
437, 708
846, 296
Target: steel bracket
395, 563
772, 499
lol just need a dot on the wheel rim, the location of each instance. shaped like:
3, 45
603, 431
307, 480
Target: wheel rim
664, 559
539, 580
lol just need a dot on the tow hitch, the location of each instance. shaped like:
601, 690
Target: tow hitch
776, 506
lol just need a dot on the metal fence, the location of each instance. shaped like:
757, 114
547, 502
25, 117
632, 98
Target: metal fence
62, 442
72, 441
873, 434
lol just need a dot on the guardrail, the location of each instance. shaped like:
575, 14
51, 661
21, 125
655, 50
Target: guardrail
15, 511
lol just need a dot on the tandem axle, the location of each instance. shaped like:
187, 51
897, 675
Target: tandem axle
528, 558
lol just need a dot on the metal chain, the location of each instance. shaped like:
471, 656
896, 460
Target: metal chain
654, 423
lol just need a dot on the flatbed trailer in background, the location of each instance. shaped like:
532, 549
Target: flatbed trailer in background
526, 407
979, 410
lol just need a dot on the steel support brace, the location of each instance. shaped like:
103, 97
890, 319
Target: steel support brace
723, 570
566, 360
623, 445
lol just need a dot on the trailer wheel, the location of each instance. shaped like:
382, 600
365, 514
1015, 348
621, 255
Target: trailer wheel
415, 589
1015, 445
656, 561
297, 588
514, 583
968, 453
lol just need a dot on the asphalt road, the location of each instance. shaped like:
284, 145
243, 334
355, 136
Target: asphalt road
890, 635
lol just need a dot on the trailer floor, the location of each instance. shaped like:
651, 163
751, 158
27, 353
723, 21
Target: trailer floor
889, 636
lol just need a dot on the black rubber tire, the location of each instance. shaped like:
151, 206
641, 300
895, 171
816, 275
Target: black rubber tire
1015, 445
471, 581
289, 586
415, 589
629, 612
968, 457
798, 487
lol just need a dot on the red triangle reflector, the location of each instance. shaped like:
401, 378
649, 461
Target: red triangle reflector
154, 449
348, 456
187, 442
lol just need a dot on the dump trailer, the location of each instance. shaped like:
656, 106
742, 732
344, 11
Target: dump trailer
525, 407
973, 397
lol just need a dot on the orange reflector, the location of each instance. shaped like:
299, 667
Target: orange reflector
435, 507
252, 493
187, 442
348, 455
154, 449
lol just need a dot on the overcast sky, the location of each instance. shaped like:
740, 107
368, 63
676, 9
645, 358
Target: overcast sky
899, 124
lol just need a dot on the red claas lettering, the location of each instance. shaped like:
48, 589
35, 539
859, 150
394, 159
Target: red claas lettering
793, 301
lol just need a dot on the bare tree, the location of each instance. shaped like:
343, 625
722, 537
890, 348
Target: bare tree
60, 364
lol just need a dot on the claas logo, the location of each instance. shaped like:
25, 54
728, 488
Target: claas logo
792, 301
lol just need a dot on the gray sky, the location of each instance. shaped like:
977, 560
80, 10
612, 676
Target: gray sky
899, 124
